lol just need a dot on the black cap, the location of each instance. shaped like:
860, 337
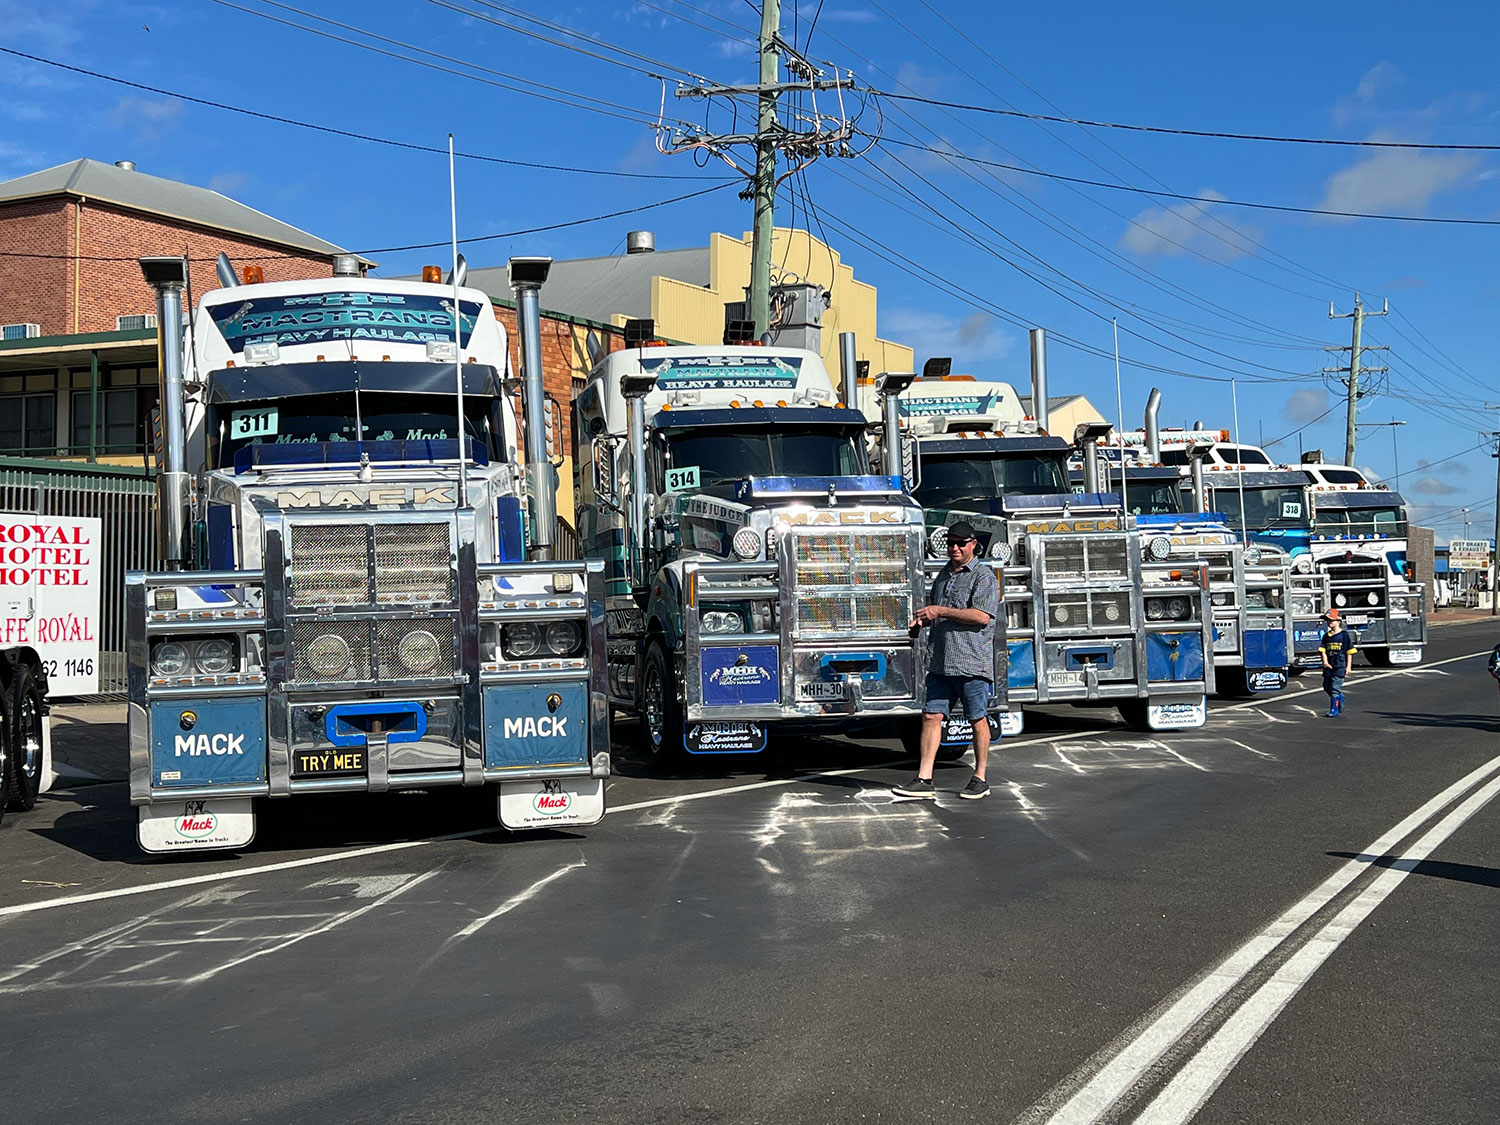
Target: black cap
963, 529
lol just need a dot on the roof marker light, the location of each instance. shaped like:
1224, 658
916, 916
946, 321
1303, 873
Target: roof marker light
432, 274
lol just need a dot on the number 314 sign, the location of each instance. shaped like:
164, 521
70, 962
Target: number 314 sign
49, 595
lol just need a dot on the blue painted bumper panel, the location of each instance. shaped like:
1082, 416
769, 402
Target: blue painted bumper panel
1174, 657
195, 743
535, 726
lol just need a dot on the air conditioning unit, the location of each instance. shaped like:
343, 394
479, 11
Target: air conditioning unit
20, 331
135, 322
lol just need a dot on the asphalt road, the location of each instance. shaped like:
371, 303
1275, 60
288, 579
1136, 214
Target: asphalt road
1279, 918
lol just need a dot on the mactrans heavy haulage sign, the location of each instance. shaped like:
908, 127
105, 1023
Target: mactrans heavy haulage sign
49, 595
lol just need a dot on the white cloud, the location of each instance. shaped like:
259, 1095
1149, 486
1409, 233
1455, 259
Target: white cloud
151, 119
1396, 180
1431, 486
1458, 467
972, 340
228, 183
1379, 79
1305, 406
735, 49
910, 76
849, 15
1189, 227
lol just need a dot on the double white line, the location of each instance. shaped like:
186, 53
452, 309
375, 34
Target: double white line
1086, 1098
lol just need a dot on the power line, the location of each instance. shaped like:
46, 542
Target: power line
347, 133
1189, 198
995, 111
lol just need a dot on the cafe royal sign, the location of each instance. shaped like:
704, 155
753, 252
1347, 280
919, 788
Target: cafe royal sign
49, 595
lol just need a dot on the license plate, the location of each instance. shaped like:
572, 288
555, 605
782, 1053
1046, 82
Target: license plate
338, 762
1065, 679
1358, 619
551, 802
820, 691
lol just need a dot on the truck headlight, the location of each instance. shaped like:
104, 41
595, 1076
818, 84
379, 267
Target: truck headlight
1252, 556
563, 638
746, 544
418, 651
1373, 598
1156, 609
1000, 551
1223, 598
169, 658
1168, 609
521, 640
723, 621
1177, 608
328, 655
937, 542
1303, 564
1340, 600
1159, 548
1255, 599
214, 656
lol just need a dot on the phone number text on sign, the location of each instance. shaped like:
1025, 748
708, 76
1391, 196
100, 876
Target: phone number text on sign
49, 595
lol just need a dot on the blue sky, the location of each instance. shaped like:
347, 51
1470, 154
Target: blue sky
1209, 290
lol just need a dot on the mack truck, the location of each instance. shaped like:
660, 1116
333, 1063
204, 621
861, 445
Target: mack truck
25, 726
1096, 612
359, 593
1267, 506
1248, 582
759, 578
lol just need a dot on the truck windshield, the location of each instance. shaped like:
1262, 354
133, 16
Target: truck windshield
721, 455
1342, 523
1264, 507
316, 418
952, 481
1152, 497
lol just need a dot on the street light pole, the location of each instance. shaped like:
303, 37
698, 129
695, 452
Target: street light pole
1395, 452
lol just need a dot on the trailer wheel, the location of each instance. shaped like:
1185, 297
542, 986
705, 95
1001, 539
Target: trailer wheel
661, 713
1134, 713
24, 724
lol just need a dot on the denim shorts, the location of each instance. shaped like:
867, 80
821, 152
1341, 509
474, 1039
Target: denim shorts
944, 691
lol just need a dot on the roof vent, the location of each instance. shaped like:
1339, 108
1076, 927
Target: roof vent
345, 265
128, 165
640, 242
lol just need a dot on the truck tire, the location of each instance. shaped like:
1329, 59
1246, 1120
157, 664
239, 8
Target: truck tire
1134, 713
5, 754
24, 727
661, 713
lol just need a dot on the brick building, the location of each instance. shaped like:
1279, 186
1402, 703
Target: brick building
78, 356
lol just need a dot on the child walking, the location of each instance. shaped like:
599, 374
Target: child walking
1336, 649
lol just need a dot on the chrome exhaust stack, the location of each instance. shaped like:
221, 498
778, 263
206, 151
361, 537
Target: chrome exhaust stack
1153, 428
849, 370
527, 276
168, 276
225, 269
1039, 379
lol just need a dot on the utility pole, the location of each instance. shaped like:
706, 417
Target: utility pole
1495, 551
765, 168
1354, 371
802, 132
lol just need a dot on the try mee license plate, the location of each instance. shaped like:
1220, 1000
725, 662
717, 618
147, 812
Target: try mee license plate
340, 761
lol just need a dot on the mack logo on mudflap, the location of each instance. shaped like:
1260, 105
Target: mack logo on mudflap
553, 800
205, 745
824, 518
529, 726
347, 497
196, 821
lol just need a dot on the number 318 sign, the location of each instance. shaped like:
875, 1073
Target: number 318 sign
49, 595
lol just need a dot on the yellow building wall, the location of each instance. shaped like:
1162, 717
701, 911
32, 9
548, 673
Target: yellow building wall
695, 315
1062, 422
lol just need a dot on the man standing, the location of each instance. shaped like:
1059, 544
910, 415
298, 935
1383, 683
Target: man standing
1336, 648
961, 612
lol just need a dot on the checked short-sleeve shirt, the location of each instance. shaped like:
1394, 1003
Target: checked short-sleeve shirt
959, 649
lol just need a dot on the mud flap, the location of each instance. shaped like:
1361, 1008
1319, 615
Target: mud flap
1177, 715
553, 802
196, 825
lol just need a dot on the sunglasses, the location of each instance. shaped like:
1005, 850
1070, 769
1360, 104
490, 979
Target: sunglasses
959, 542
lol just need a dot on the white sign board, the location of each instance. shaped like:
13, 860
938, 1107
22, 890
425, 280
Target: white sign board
1469, 554
49, 595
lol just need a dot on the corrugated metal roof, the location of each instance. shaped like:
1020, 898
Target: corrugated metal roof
599, 288
123, 187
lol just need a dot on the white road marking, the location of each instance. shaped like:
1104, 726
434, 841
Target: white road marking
382, 849
515, 900
1195, 1083
1097, 1096
331, 924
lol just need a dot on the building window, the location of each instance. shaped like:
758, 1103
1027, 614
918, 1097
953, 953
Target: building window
28, 424
124, 420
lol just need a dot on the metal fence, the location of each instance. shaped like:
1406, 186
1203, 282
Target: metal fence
124, 501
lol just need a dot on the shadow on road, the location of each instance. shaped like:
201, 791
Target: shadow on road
1429, 719
1460, 872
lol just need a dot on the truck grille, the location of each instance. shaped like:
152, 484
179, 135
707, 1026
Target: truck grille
1089, 611
343, 651
329, 564
851, 581
1102, 559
